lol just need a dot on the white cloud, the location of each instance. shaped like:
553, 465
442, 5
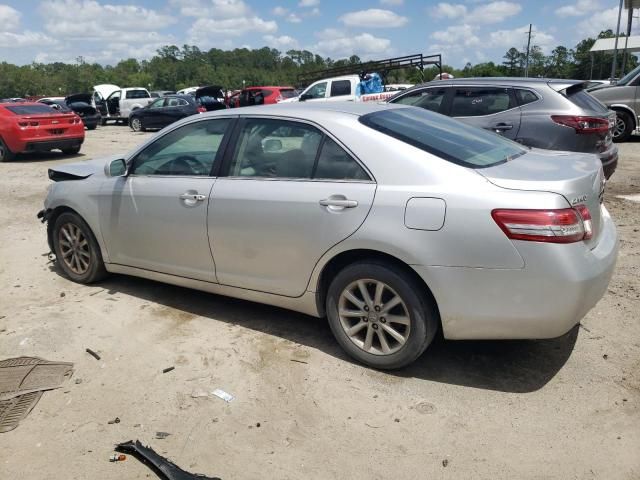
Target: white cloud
9, 18
293, 18
460, 35
517, 37
494, 12
206, 29
284, 42
280, 11
603, 20
392, 3
24, 39
337, 44
373, 18
309, 3
581, 7
211, 8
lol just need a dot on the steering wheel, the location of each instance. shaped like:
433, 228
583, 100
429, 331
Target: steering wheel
185, 165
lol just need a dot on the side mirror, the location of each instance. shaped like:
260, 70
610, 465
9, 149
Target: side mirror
115, 168
305, 96
272, 145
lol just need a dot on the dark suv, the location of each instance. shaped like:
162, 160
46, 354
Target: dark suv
540, 113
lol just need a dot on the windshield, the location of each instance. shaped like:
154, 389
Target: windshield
629, 76
444, 137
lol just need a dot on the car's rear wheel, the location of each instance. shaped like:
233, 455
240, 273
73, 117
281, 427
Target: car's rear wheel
92, 127
77, 250
379, 315
623, 128
72, 150
6, 155
136, 125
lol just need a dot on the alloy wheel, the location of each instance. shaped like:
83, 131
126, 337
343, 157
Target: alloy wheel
374, 317
74, 248
620, 127
136, 125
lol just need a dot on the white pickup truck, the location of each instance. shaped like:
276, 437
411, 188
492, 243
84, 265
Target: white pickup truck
338, 89
115, 103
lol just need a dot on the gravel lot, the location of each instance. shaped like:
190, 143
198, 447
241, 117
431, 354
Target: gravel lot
565, 408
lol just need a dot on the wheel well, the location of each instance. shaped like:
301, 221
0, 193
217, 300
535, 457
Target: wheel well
342, 260
627, 111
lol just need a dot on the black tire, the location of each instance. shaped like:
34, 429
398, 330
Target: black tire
136, 125
72, 150
103, 121
92, 127
624, 126
6, 155
92, 256
417, 306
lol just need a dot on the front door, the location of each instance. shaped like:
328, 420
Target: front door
153, 114
290, 194
155, 217
492, 107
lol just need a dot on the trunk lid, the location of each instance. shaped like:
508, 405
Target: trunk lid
577, 177
79, 97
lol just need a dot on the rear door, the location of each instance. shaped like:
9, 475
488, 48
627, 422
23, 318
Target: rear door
291, 193
153, 113
490, 107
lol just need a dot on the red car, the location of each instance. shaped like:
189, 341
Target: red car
261, 96
34, 127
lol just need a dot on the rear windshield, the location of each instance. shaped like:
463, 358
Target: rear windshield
138, 94
584, 100
287, 93
445, 137
30, 109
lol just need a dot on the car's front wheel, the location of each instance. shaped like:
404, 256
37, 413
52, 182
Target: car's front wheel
76, 249
136, 125
6, 155
379, 315
623, 128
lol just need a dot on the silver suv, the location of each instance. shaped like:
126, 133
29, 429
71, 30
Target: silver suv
540, 113
623, 97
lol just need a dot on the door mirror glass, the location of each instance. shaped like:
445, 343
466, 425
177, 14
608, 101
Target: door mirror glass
115, 168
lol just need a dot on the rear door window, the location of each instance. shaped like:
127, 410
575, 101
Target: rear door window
340, 88
525, 96
336, 164
478, 101
429, 98
137, 94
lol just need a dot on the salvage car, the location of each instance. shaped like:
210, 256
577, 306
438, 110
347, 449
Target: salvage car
540, 113
260, 96
115, 103
164, 111
392, 221
33, 127
80, 104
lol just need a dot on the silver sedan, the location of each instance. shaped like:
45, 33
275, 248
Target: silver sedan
391, 220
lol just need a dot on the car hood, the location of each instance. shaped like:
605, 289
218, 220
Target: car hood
79, 97
210, 91
81, 170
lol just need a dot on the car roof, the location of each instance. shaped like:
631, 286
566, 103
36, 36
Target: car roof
310, 111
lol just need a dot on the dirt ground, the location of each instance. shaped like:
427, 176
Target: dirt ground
566, 408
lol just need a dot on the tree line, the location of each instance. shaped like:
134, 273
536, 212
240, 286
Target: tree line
173, 68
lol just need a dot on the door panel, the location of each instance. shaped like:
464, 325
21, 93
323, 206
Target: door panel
148, 225
267, 235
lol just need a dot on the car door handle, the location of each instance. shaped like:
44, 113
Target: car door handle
501, 127
193, 196
338, 202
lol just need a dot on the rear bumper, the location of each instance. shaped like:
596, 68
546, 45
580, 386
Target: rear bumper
609, 161
46, 145
553, 292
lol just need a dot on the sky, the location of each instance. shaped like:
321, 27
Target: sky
462, 30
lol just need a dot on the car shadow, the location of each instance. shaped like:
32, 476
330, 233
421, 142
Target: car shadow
505, 366
45, 156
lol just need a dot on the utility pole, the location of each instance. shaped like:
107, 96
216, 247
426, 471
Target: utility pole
615, 48
626, 40
526, 62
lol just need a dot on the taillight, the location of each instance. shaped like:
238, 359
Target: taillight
202, 109
582, 124
567, 225
23, 124
33, 124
